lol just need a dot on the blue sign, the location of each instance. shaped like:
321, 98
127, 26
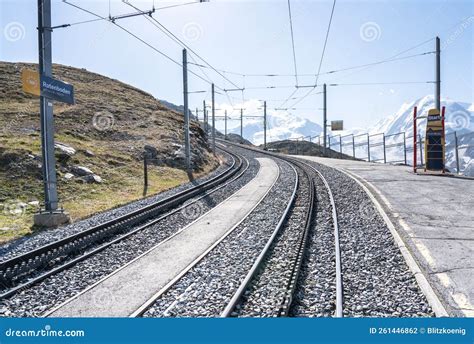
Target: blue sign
56, 90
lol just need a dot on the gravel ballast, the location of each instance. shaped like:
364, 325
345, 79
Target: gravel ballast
376, 280
25, 244
269, 288
54, 290
316, 286
207, 288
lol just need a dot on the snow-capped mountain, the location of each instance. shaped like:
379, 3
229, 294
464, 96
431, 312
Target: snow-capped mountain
280, 126
459, 122
459, 117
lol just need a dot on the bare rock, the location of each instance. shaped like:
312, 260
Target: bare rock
81, 170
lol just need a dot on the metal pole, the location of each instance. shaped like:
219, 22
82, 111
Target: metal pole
405, 147
414, 139
213, 120
438, 75
443, 109
265, 125
456, 151
145, 174
186, 111
353, 147
46, 108
205, 116
368, 147
340, 144
225, 121
384, 152
324, 117
242, 125
421, 149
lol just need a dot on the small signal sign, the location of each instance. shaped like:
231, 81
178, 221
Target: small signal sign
30, 82
337, 125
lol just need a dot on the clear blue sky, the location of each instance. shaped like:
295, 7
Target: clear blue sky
253, 37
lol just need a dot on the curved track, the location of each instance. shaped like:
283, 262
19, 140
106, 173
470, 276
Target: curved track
146, 306
29, 268
283, 307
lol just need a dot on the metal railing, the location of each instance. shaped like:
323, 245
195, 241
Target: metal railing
397, 148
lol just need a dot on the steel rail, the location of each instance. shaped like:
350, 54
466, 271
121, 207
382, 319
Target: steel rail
293, 281
142, 309
257, 264
74, 261
339, 285
163, 205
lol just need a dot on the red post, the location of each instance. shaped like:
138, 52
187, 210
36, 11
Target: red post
443, 109
414, 139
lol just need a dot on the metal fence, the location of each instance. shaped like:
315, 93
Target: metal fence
398, 148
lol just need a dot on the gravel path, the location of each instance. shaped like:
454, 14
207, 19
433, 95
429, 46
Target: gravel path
56, 289
268, 289
206, 289
28, 243
376, 279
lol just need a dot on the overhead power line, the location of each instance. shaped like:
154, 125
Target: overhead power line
384, 83
141, 40
293, 42
184, 45
325, 42
322, 57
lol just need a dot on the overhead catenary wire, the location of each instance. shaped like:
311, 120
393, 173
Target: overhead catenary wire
299, 99
293, 42
141, 40
164, 28
322, 57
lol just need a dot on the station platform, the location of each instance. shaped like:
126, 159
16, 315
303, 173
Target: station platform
126, 290
434, 215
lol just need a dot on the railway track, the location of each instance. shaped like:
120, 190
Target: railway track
283, 305
302, 197
257, 269
146, 306
29, 268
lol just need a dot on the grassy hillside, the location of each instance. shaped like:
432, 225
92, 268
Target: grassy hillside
106, 131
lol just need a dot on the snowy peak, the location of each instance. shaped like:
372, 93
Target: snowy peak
459, 117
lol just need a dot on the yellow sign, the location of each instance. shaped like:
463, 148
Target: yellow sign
31, 81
